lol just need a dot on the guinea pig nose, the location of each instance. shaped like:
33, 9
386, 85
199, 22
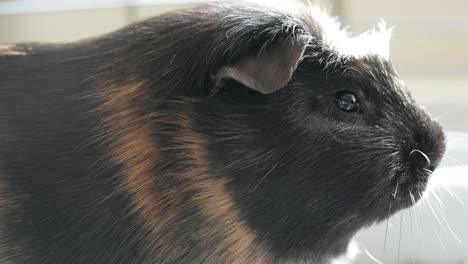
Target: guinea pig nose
420, 159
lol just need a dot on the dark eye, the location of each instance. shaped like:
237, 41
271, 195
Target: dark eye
347, 101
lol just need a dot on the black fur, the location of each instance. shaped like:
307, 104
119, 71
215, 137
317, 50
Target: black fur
304, 176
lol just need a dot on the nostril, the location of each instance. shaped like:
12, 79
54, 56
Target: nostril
420, 159
428, 160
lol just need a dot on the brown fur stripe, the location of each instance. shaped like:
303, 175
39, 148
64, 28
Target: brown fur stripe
217, 203
132, 147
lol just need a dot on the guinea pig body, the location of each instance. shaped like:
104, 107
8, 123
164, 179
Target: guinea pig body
222, 134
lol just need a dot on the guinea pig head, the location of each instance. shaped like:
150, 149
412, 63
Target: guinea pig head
317, 141
309, 132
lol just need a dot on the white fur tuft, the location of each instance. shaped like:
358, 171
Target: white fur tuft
373, 42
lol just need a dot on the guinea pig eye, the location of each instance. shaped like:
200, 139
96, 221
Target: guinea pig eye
347, 101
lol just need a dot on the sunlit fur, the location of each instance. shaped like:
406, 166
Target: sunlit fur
124, 149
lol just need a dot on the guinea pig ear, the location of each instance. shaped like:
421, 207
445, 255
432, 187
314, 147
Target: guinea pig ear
267, 71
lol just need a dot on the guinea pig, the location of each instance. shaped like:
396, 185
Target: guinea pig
226, 133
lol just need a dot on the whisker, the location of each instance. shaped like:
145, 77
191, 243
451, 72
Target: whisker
438, 238
399, 241
425, 202
372, 257
454, 159
444, 220
427, 170
413, 201
451, 230
434, 213
438, 200
453, 195
411, 232
386, 229
417, 216
394, 194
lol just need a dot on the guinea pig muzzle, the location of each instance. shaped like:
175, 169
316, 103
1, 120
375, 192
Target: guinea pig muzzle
421, 162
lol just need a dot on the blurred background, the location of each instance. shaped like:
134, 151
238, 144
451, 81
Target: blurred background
430, 51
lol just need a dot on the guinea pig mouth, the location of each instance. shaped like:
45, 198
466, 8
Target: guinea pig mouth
408, 187
411, 181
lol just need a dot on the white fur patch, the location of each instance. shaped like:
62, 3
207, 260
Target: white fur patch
373, 42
